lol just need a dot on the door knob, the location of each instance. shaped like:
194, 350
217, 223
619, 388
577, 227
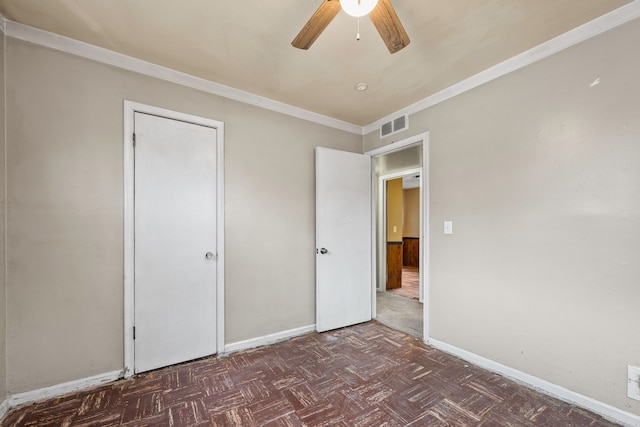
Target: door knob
208, 255
323, 251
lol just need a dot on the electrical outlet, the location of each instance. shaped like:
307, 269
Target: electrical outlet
633, 382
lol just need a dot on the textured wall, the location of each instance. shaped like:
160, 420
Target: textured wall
539, 172
65, 212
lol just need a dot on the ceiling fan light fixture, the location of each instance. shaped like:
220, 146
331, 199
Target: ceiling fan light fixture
358, 8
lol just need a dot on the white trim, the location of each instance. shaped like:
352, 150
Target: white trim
425, 254
609, 412
268, 339
64, 388
425, 238
129, 109
4, 408
105, 56
220, 230
579, 34
4, 404
593, 28
396, 146
129, 247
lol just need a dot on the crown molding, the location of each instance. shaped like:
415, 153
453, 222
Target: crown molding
105, 56
579, 34
586, 31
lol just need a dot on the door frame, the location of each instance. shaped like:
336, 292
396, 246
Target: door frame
130, 108
425, 253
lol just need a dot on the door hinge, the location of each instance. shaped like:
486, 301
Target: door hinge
134, 139
134, 332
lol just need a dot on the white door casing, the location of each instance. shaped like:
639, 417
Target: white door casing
179, 211
425, 234
343, 231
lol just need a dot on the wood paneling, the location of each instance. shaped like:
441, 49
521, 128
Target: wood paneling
394, 265
411, 252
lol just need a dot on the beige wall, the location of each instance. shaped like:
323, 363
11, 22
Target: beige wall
539, 173
65, 213
411, 212
394, 210
3, 305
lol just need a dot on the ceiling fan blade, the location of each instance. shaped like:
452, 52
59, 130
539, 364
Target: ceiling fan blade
388, 24
316, 25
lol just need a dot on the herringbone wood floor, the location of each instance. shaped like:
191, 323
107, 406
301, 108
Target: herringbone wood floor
365, 375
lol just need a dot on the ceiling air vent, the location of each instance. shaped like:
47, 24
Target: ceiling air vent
394, 126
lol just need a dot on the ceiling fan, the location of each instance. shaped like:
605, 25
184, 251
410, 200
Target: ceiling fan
382, 15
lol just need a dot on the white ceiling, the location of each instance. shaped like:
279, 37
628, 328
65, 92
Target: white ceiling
246, 44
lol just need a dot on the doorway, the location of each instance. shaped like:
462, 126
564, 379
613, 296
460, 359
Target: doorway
399, 231
406, 158
399, 297
173, 238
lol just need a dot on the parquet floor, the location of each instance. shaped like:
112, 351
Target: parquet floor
410, 283
365, 375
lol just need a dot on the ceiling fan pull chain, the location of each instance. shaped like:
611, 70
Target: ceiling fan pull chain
358, 33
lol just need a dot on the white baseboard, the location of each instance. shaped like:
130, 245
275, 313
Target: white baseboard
267, 339
15, 400
607, 411
64, 388
4, 408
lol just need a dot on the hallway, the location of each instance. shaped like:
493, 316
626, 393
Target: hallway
400, 313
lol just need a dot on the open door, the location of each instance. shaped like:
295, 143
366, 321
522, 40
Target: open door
343, 239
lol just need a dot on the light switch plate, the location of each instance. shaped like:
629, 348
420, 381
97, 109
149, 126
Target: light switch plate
633, 382
448, 227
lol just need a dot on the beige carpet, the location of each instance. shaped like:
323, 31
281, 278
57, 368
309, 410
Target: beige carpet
400, 313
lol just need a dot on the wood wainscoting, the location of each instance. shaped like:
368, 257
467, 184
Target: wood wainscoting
411, 252
394, 265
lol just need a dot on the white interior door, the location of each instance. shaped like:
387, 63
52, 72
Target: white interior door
175, 241
343, 239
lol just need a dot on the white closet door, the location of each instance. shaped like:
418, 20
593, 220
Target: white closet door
175, 241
